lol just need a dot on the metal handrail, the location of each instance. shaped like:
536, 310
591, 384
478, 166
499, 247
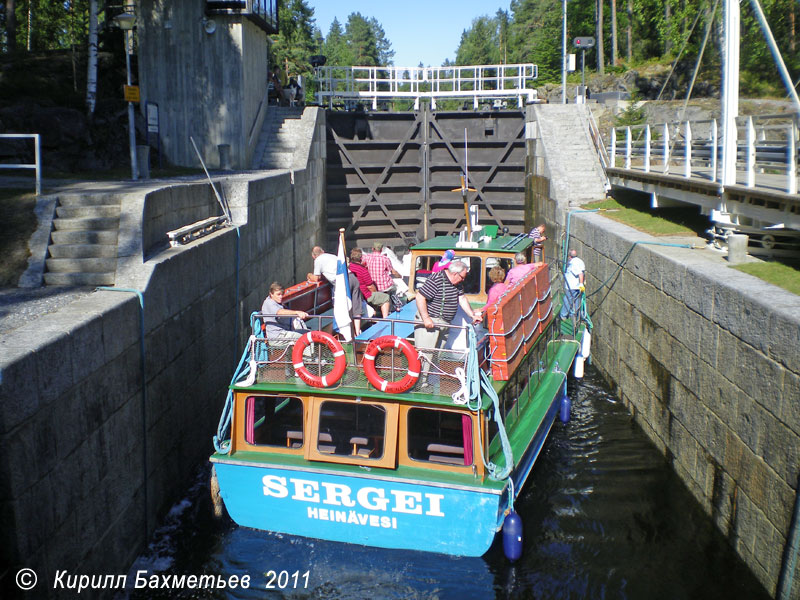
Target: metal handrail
390, 82
37, 160
768, 142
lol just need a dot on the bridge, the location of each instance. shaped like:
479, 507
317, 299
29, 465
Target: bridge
680, 164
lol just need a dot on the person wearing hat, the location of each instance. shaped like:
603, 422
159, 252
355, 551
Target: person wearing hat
380, 269
444, 261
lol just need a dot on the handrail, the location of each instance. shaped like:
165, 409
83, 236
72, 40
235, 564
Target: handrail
767, 142
37, 160
390, 82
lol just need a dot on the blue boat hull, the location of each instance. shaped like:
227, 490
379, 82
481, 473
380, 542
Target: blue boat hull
385, 513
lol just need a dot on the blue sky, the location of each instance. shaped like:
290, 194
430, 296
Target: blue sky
419, 30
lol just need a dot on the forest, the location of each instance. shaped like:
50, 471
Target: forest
628, 33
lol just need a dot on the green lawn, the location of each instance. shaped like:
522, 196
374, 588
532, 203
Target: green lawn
660, 221
687, 221
786, 276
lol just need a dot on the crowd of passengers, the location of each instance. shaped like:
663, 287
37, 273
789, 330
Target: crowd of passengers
374, 281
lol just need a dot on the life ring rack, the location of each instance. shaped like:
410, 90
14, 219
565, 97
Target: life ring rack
339, 364
412, 356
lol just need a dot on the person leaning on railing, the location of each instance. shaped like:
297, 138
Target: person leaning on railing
437, 304
281, 324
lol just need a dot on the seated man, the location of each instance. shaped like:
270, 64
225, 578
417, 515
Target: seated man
378, 300
281, 324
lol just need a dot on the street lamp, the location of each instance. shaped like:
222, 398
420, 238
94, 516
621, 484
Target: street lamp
126, 22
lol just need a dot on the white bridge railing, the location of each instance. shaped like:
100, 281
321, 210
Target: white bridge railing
768, 146
477, 82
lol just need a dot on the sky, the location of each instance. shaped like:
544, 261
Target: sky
426, 31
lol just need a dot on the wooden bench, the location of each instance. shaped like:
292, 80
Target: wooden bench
186, 234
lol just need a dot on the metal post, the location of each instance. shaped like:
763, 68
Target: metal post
751, 153
791, 156
564, 52
37, 149
687, 151
730, 91
647, 139
131, 122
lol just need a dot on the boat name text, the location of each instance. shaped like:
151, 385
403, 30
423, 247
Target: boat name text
369, 498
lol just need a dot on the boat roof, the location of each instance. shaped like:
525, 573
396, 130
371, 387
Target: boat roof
501, 244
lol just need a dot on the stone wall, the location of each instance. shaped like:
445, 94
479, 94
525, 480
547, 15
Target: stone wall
92, 457
706, 359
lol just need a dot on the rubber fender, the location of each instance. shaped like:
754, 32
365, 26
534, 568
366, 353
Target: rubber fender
564, 409
586, 343
512, 536
578, 372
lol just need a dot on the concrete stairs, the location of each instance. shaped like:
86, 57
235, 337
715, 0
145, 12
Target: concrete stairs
278, 138
576, 174
83, 243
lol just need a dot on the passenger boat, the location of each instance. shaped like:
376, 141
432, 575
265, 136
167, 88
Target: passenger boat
340, 440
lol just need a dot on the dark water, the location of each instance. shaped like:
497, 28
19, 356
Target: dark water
604, 517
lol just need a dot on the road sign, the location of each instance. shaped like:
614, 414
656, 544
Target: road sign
583, 42
131, 93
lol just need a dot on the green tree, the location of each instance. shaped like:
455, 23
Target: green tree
480, 44
361, 41
294, 43
335, 47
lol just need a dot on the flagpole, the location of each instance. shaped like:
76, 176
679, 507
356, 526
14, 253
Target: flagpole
347, 280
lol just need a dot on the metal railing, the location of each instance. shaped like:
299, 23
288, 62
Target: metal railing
37, 160
477, 82
694, 148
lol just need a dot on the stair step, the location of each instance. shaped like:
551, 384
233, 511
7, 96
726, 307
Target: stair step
112, 199
83, 250
84, 237
82, 212
83, 265
86, 224
79, 278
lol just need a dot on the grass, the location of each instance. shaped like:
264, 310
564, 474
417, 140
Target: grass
786, 276
660, 221
19, 222
685, 221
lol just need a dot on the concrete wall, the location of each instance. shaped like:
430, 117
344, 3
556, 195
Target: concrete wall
81, 483
706, 359
211, 86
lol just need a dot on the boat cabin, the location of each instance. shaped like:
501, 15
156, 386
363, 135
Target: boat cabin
362, 402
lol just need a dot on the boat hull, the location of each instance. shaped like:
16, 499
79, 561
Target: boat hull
386, 513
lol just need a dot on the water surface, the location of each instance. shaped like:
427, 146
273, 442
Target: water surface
604, 517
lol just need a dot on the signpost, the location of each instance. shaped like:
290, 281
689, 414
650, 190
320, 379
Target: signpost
583, 43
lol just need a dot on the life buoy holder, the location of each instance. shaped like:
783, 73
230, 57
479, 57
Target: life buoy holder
414, 365
339, 364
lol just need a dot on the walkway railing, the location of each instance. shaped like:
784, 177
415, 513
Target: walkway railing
37, 160
767, 150
488, 82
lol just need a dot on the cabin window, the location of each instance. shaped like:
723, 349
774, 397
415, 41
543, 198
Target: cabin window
496, 261
423, 268
440, 436
351, 429
274, 421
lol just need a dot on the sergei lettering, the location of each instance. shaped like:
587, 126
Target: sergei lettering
369, 498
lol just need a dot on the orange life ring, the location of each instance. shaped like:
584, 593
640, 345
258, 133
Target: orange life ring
414, 364
339, 364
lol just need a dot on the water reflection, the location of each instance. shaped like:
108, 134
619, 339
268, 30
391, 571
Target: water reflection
604, 517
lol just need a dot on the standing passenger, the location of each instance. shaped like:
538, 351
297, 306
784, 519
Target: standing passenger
574, 278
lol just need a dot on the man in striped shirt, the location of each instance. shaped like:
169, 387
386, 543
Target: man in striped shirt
437, 304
